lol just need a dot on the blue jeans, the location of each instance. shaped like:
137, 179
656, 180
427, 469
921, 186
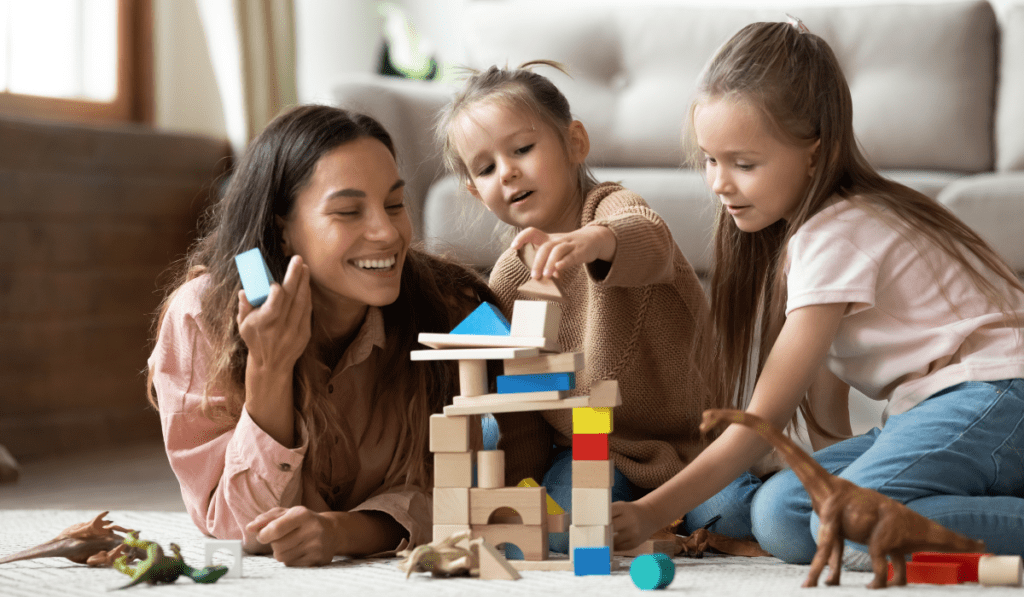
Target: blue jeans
957, 458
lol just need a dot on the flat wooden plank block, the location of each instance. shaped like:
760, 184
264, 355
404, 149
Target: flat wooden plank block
503, 398
591, 507
536, 382
451, 505
536, 318
483, 354
528, 502
453, 469
559, 565
509, 407
468, 341
565, 362
592, 420
593, 473
449, 433
587, 446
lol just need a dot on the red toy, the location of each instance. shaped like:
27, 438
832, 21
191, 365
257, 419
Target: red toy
934, 568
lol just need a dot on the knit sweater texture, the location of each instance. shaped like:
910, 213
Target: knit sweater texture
636, 319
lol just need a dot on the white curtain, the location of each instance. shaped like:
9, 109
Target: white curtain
252, 48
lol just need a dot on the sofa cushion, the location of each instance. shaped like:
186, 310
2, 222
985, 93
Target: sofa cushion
922, 75
1010, 114
992, 205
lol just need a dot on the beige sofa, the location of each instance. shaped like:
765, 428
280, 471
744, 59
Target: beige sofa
938, 95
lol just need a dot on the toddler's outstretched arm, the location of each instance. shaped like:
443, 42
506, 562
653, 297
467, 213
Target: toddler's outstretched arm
559, 251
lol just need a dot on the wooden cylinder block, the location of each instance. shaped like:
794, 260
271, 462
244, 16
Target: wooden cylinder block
1000, 570
472, 378
490, 469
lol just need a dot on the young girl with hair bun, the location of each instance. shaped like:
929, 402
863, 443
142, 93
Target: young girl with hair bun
827, 275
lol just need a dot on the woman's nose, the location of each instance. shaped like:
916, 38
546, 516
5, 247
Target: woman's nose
380, 226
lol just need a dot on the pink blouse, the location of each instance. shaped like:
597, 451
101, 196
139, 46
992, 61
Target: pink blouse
230, 474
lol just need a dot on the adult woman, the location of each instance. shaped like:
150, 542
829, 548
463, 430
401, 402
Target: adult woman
301, 426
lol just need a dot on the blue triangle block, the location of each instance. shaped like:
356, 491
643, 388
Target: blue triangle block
485, 320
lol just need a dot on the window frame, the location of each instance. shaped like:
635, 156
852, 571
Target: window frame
134, 99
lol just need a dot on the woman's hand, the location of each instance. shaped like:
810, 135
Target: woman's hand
632, 523
560, 251
276, 333
298, 535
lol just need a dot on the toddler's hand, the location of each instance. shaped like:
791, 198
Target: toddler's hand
277, 332
560, 251
632, 526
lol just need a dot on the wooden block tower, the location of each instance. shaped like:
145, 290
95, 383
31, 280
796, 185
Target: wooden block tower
537, 377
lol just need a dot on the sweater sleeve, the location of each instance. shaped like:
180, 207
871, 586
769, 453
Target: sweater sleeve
229, 473
644, 246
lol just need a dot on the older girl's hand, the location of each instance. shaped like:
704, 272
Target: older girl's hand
632, 525
560, 251
277, 332
298, 536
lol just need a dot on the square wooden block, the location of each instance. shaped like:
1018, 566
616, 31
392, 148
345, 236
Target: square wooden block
591, 506
590, 446
590, 536
451, 505
449, 433
536, 318
593, 473
592, 420
605, 393
453, 469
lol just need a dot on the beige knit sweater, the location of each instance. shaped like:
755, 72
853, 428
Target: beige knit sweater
636, 320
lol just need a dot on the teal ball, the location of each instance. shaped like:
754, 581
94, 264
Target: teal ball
652, 571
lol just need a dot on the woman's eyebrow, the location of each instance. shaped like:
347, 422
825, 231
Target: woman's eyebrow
359, 193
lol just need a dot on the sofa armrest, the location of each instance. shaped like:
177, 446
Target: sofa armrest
408, 110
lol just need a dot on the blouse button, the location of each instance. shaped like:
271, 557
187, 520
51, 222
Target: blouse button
284, 466
330, 388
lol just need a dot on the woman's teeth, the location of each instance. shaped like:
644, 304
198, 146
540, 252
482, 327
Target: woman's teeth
376, 263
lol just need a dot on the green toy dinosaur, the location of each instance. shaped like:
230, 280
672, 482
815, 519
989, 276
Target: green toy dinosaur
157, 568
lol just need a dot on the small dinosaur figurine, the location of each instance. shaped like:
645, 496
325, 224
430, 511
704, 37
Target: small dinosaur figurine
157, 568
94, 543
847, 511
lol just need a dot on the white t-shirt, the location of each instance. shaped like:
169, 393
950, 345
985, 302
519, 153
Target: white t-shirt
916, 322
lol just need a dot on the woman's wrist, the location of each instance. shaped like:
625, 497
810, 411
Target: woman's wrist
364, 532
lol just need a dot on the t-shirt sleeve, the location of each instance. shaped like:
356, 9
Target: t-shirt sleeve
825, 268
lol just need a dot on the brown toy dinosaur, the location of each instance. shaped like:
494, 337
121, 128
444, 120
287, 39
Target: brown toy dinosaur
885, 526
94, 543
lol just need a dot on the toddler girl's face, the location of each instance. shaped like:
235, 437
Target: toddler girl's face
758, 178
518, 167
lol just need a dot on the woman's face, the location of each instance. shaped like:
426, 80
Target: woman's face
351, 228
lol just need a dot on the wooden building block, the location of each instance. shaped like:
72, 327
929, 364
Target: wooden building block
451, 505
591, 506
660, 542
443, 531
552, 505
545, 289
474, 354
485, 320
446, 341
1000, 570
592, 420
590, 536
563, 564
933, 573
256, 276
490, 469
449, 433
536, 382
453, 469
558, 523
508, 407
536, 318
593, 473
592, 561
508, 398
532, 540
588, 446
528, 502
493, 565
472, 378
565, 362
605, 393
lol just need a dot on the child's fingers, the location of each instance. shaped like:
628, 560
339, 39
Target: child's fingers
531, 235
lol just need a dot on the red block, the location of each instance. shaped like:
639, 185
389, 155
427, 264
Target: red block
590, 446
934, 573
969, 560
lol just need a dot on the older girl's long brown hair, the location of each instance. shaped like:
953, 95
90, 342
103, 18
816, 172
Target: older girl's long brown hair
795, 81
435, 295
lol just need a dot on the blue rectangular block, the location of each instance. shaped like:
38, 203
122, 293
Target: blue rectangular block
588, 561
536, 382
256, 276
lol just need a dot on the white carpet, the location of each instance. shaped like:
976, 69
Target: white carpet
713, 575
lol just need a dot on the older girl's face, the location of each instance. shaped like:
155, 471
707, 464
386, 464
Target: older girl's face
351, 228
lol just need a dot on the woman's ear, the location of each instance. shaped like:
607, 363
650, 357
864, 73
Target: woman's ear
579, 142
814, 153
286, 244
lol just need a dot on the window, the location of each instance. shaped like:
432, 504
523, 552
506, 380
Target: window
83, 60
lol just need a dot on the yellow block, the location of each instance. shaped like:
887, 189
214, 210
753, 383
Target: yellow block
592, 420
553, 507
